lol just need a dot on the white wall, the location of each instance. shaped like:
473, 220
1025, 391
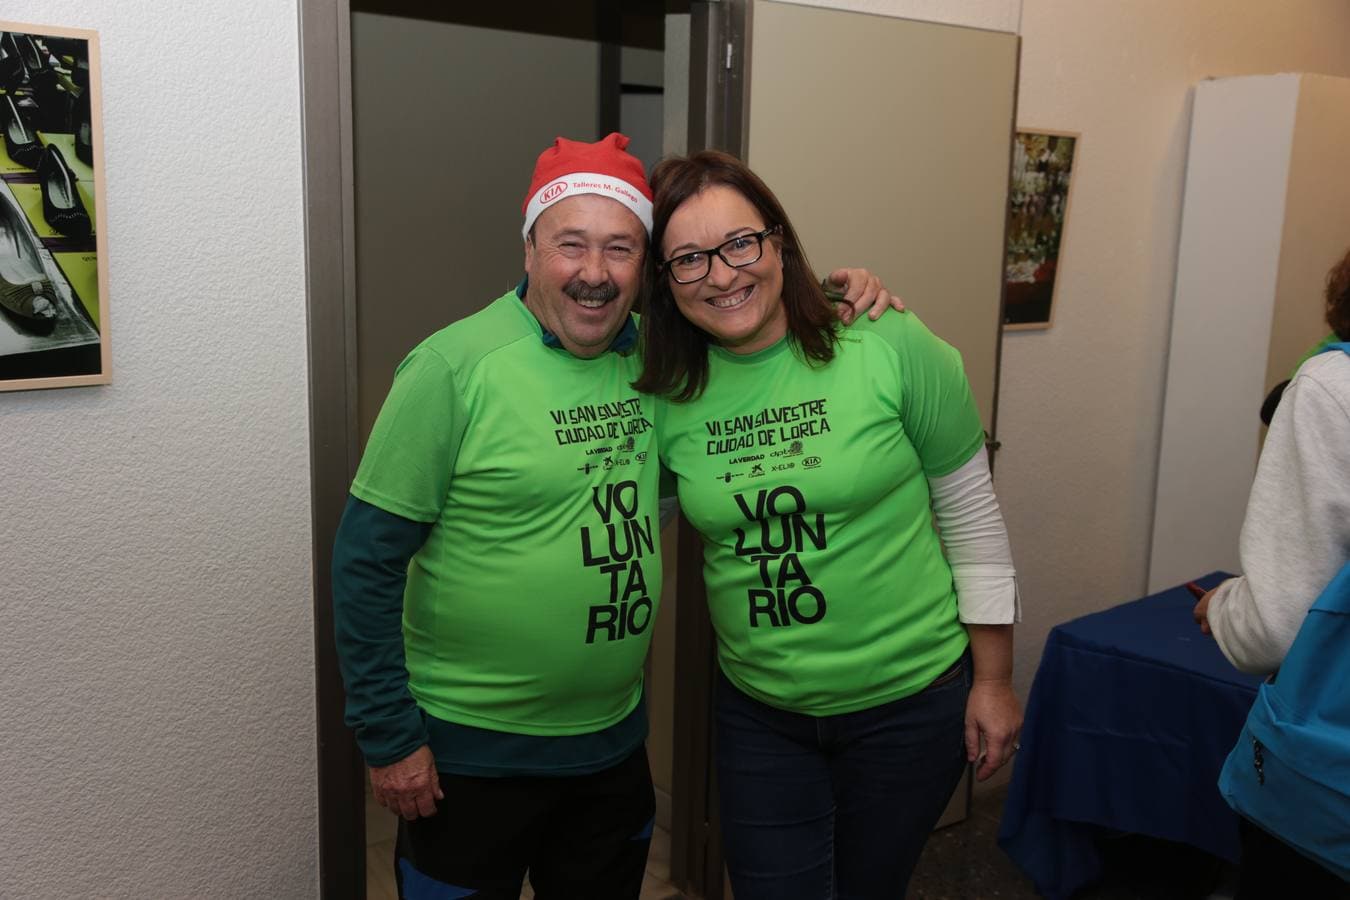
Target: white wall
156, 665
1237, 177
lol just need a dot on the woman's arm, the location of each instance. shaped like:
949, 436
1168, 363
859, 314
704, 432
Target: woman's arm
992, 711
1296, 534
976, 543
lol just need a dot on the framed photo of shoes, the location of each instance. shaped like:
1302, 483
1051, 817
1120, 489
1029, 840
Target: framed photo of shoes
53, 264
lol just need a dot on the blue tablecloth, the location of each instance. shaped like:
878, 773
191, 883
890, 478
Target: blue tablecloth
1130, 718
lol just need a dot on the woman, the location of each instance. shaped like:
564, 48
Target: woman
1295, 538
861, 671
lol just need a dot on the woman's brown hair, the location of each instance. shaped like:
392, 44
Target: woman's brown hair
1338, 298
675, 352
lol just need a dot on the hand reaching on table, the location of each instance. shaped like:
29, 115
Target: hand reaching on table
1201, 611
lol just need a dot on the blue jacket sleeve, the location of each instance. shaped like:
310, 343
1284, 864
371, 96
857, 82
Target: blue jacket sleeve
370, 569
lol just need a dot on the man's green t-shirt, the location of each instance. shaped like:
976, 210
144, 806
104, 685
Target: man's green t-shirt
826, 580
529, 608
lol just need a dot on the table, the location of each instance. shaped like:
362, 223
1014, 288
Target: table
1130, 717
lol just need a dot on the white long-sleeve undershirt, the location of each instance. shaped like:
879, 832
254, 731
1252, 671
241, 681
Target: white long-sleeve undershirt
976, 541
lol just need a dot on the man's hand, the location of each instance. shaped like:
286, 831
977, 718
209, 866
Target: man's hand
408, 787
1201, 611
994, 717
862, 291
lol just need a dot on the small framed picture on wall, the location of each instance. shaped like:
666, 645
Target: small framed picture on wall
1042, 178
53, 262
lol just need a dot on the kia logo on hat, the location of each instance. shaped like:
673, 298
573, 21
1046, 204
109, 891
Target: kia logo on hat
552, 192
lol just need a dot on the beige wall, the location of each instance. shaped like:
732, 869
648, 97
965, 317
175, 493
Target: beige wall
156, 606
995, 15
1080, 406
1316, 223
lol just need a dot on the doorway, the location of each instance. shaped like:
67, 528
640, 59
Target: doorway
443, 112
451, 105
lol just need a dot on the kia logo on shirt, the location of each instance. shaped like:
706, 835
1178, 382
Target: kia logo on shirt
810, 462
553, 192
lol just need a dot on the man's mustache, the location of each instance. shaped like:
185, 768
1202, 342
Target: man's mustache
580, 290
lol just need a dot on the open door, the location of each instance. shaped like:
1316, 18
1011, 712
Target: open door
890, 142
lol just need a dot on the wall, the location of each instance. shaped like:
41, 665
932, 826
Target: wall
1081, 403
996, 15
156, 627
1316, 223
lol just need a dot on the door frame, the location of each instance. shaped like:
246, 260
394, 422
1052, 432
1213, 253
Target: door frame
330, 289
719, 109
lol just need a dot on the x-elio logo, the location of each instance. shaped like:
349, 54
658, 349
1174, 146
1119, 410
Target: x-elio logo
552, 192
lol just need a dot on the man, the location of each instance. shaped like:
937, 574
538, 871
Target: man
497, 569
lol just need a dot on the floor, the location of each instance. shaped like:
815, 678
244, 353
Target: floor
964, 862
961, 862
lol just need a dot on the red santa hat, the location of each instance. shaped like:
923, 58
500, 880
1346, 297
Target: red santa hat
569, 168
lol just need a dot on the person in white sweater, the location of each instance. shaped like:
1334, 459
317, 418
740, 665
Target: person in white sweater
1295, 539
1296, 535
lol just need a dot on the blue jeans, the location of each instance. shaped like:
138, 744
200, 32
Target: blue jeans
836, 806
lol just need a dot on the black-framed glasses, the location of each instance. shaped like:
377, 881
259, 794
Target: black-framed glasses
740, 251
